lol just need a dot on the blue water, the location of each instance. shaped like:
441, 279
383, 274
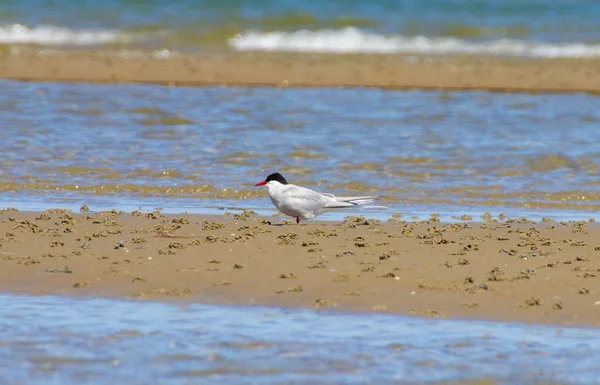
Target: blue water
189, 25
194, 149
58, 340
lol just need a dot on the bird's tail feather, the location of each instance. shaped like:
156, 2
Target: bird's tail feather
339, 205
341, 202
357, 199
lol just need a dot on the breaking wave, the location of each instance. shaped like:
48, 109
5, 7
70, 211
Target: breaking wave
353, 40
54, 35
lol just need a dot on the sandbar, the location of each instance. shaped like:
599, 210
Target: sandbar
511, 270
393, 72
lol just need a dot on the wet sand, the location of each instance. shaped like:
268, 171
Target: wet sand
314, 70
507, 271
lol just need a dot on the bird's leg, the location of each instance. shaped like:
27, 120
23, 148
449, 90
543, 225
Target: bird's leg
297, 220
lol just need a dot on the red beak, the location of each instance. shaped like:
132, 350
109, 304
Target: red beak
261, 183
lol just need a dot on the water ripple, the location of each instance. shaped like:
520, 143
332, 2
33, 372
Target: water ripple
415, 148
58, 340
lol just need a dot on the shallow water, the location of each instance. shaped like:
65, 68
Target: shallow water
58, 340
514, 27
452, 153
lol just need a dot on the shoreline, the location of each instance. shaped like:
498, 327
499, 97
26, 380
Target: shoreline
386, 72
511, 271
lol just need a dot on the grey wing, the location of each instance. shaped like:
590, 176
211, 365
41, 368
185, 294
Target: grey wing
338, 202
351, 199
309, 200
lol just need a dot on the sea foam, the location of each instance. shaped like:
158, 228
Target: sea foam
55, 35
353, 40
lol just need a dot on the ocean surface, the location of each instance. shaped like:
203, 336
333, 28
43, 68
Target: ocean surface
558, 28
201, 150
56, 340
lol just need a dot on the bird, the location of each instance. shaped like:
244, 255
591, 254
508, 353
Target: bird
303, 203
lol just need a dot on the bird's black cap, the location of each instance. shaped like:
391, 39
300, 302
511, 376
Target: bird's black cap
276, 176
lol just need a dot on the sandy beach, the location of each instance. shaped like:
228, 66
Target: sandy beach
399, 72
507, 271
